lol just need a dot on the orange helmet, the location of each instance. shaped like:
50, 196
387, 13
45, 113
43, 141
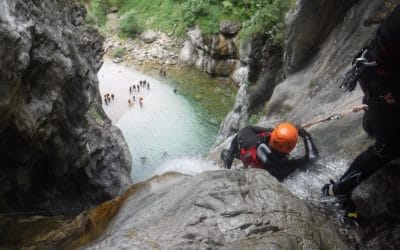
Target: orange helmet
284, 137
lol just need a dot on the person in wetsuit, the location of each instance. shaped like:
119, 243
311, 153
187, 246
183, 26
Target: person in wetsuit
376, 69
269, 149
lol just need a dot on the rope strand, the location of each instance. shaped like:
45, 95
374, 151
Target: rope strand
334, 110
335, 116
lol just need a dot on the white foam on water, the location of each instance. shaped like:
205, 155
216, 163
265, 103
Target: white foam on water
186, 165
307, 184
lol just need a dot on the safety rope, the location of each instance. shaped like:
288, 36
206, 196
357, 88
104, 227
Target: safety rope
335, 109
335, 116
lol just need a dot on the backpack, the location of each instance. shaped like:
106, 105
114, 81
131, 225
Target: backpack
249, 155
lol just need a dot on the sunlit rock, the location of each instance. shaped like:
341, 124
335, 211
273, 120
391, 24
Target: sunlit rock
215, 54
148, 36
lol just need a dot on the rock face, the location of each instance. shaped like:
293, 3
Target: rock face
58, 149
216, 55
216, 210
261, 66
314, 65
308, 25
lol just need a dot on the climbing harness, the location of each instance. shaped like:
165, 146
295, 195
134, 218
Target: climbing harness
352, 76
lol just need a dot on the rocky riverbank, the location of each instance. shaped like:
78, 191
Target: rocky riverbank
151, 50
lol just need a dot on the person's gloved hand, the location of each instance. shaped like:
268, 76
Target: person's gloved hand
327, 189
303, 133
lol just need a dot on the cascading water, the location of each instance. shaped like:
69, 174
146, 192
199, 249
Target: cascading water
307, 184
168, 133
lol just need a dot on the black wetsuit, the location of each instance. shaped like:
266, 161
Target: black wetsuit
381, 86
278, 164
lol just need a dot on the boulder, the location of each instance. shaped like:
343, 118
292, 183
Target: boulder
229, 28
149, 36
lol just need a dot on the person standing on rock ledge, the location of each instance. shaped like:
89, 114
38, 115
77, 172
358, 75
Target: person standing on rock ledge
376, 69
269, 149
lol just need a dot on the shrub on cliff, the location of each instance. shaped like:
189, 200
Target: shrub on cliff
129, 25
98, 9
267, 17
97, 12
175, 16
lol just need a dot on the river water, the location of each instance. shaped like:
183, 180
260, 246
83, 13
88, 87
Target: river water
171, 133
168, 133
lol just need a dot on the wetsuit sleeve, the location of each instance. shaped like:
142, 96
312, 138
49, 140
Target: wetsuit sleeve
248, 136
258, 130
233, 151
287, 166
311, 151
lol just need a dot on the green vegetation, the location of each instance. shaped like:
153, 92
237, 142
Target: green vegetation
130, 25
97, 12
96, 116
267, 16
257, 16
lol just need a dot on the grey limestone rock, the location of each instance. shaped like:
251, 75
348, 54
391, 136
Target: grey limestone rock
58, 149
216, 210
229, 28
149, 36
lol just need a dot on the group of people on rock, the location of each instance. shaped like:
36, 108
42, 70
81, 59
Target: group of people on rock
162, 72
133, 88
142, 84
108, 98
130, 103
375, 69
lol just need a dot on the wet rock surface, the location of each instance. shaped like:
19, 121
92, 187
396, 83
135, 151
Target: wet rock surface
259, 71
58, 148
216, 210
311, 91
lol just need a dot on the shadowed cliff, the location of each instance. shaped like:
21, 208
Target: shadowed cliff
58, 149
